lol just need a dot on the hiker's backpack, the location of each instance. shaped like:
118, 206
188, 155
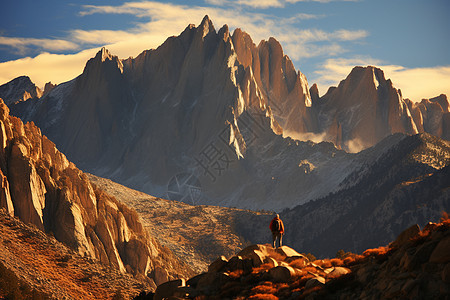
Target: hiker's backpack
277, 225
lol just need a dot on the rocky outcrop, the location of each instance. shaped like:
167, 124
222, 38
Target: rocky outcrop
362, 110
19, 89
414, 266
432, 116
41, 187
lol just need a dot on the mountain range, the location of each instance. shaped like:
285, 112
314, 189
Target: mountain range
218, 107
210, 118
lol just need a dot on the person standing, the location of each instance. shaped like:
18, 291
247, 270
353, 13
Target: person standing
277, 228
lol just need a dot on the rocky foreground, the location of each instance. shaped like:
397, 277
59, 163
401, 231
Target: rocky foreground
415, 266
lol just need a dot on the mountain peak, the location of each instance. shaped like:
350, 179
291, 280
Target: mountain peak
19, 89
103, 56
206, 26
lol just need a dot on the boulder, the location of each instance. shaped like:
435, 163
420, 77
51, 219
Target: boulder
212, 281
248, 251
441, 253
282, 273
316, 281
168, 289
299, 260
238, 263
272, 262
161, 276
218, 264
288, 252
406, 235
339, 271
192, 282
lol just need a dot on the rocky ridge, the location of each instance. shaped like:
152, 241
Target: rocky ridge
415, 266
407, 184
41, 187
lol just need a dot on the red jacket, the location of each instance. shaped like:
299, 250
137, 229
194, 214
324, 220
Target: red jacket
281, 225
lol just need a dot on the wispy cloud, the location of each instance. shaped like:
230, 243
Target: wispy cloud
415, 83
23, 45
321, 1
263, 4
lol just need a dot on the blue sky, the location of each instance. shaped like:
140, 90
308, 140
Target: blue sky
409, 39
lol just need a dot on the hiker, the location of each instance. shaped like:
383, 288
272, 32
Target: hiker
277, 228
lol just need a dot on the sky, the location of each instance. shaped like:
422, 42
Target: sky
51, 40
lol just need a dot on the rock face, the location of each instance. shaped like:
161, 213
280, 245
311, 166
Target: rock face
432, 116
19, 89
41, 187
207, 109
362, 110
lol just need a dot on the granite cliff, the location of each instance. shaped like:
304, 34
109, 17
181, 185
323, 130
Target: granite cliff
41, 187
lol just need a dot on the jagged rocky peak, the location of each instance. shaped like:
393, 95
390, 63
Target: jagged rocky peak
432, 115
19, 89
48, 88
206, 26
103, 59
314, 93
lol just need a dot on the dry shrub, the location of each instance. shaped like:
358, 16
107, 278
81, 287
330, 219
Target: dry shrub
310, 256
350, 260
445, 217
277, 256
263, 289
236, 274
324, 263
336, 262
263, 297
380, 251
309, 291
298, 263
283, 290
263, 267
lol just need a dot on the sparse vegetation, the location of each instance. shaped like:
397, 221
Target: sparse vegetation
12, 288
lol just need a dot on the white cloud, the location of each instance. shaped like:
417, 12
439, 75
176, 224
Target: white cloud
46, 67
261, 3
415, 83
24, 44
321, 1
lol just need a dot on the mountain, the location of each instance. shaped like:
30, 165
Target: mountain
406, 185
19, 89
362, 110
201, 119
41, 187
365, 108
